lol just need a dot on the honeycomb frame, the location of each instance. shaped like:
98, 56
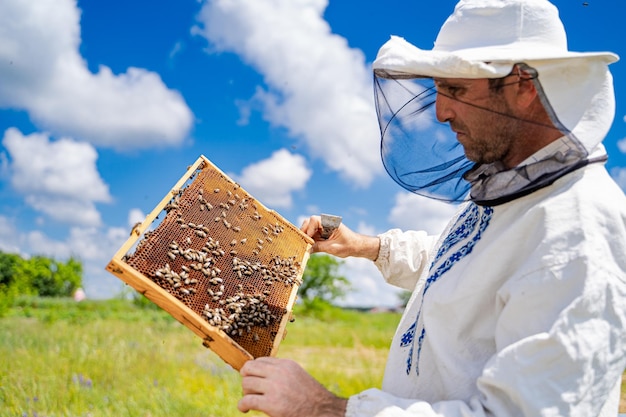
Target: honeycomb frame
218, 261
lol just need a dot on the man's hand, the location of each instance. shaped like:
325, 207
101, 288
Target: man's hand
343, 242
281, 388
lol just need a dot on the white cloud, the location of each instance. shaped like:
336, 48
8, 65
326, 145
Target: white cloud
273, 180
36, 242
369, 289
414, 212
367, 229
318, 88
97, 244
46, 76
9, 242
66, 210
59, 178
135, 216
621, 144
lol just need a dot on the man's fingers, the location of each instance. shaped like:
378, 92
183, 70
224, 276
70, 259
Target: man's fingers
253, 385
258, 367
311, 226
249, 402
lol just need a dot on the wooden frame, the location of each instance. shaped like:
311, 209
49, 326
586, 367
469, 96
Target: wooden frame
274, 250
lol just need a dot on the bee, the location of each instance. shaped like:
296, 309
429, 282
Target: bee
135, 229
170, 207
216, 190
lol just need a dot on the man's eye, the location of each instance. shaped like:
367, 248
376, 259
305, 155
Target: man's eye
449, 91
453, 91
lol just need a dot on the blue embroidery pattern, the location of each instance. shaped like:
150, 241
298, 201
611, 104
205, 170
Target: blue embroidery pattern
471, 221
467, 226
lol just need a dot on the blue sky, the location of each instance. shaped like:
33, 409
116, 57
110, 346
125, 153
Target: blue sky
104, 104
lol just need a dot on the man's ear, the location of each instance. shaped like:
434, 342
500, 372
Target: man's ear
526, 91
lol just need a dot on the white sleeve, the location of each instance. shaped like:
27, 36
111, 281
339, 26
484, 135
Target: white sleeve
376, 403
403, 256
560, 343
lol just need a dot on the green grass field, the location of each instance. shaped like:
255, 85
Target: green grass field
59, 358
110, 358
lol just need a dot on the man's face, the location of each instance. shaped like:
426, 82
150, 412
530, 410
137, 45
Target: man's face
477, 113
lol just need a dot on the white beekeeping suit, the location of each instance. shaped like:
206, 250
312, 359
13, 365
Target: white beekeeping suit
518, 307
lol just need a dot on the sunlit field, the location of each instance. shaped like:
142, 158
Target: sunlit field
59, 358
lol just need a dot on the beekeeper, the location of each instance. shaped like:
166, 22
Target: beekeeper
518, 306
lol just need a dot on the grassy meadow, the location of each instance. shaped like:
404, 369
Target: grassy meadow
111, 358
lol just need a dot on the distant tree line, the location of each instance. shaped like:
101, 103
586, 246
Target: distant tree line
37, 276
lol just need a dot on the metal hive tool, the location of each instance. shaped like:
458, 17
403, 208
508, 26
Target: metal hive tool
218, 261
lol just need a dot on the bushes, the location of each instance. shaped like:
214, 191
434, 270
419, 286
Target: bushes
37, 276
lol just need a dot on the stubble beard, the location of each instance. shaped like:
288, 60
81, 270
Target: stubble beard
491, 140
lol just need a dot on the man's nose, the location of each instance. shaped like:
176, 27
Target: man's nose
443, 108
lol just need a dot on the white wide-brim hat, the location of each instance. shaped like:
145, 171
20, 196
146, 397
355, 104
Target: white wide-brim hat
484, 38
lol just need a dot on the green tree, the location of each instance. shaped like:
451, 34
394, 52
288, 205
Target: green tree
321, 280
9, 264
40, 275
38, 272
68, 277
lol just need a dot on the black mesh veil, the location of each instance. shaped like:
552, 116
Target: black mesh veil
421, 154
424, 156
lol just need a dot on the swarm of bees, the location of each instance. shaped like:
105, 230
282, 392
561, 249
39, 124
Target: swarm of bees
240, 313
195, 262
